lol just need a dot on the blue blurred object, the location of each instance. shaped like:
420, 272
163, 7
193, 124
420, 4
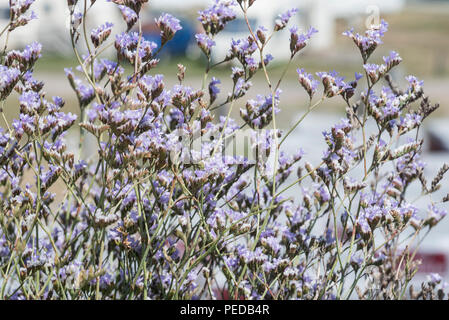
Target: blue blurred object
180, 42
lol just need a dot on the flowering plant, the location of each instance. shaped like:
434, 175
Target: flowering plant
153, 215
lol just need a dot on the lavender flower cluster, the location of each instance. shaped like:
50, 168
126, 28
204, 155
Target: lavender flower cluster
133, 220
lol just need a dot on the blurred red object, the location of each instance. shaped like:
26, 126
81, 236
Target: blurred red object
223, 294
432, 263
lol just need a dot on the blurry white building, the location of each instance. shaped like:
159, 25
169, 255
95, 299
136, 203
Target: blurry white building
320, 14
52, 26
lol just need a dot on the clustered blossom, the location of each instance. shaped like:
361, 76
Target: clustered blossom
215, 17
76, 18
213, 89
105, 67
135, 5
244, 51
19, 13
261, 34
258, 113
308, 82
24, 60
392, 60
340, 155
84, 92
205, 43
241, 87
100, 34
151, 204
8, 79
299, 41
284, 18
129, 15
370, 41
435, 215
333, 83
376, 72
415, 84
386, 109
127, 45
409, 122
169, 25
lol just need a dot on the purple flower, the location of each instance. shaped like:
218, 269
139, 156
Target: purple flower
375, 71
20, 6
258, 112
261, 34
324, 194
204, 42
4, 248
267, 59
284, 18
129, 15
241, 87
169, 25
299, 41
215, 17
30, 102
8, 79
18, 10
135, 5
126, 46
363, 227
308, 82
49, 177
100, 34
85, 93
333, 83
435, 278
251, 63
32, 52
151, 86
368, 43
435, 215
409, 122
213, 89
24, 60
271, 243
248, 256
242, 48
357, 260
392, 60
103, 67
415, 84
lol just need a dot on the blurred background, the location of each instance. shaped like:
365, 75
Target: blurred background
418, 31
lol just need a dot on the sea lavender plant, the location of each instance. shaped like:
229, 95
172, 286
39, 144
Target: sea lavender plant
147, 216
